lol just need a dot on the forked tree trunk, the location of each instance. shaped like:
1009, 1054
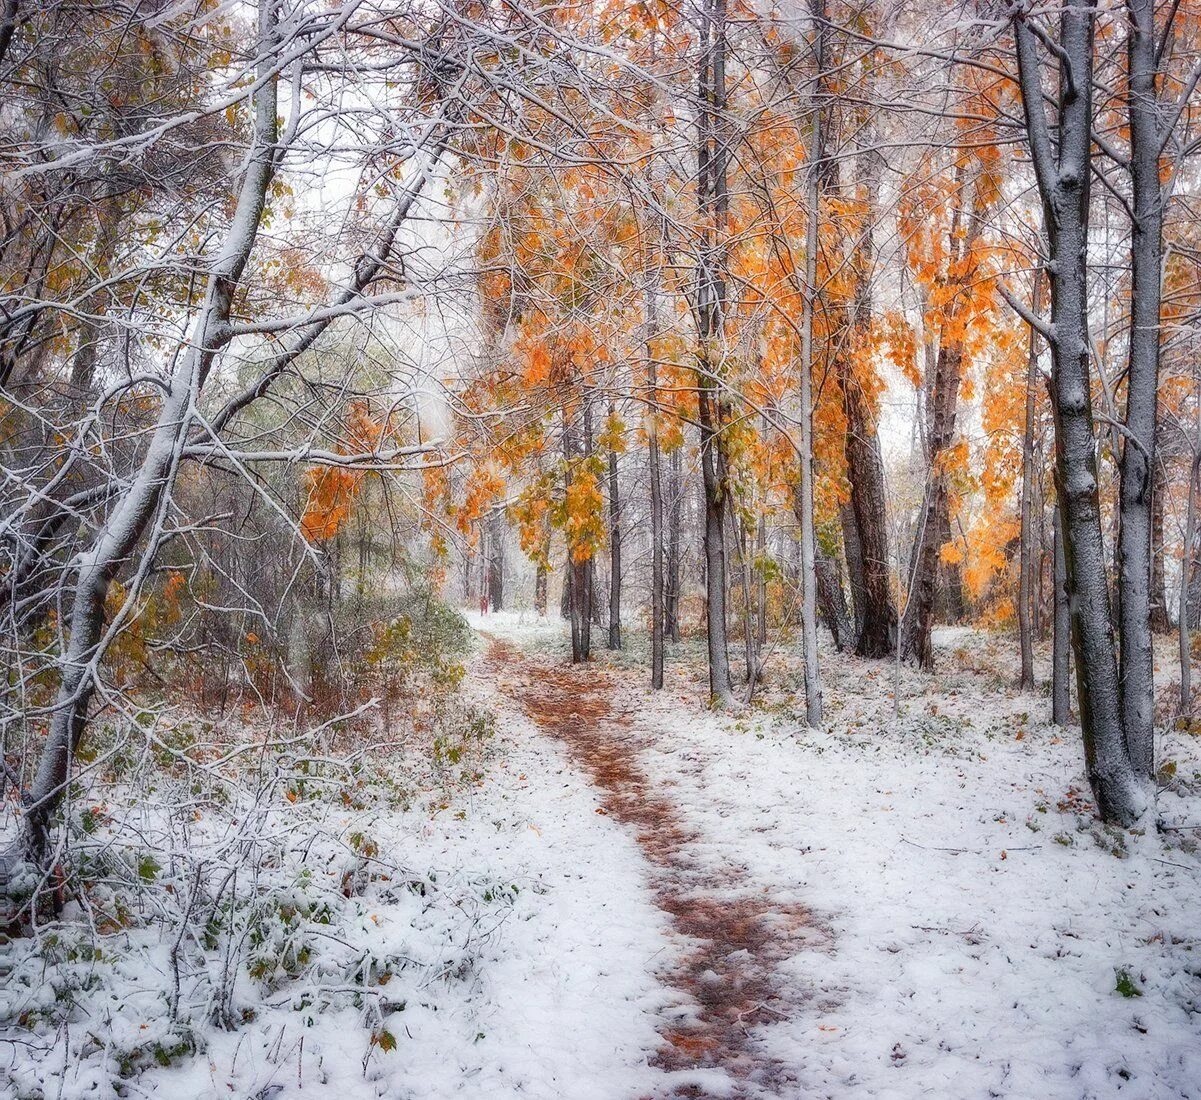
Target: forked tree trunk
875, 613
918, 628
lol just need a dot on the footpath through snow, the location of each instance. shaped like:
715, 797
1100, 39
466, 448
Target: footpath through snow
637, 899
920, 906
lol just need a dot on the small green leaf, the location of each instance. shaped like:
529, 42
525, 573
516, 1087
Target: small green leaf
1125, 985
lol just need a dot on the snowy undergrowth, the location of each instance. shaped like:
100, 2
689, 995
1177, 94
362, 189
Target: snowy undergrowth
986, 937
435, 921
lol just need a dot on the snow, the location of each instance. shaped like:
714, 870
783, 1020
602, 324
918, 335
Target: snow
969, 928
551, 990
976, 928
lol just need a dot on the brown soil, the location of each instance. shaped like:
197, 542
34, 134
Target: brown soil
734, 934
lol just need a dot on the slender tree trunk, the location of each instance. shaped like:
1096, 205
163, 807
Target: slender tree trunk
710, 313
575, 579
1061, 642
813, 686
586, 587
658, 608
1186, 553
749, 647
674, 529
496, 560
761, 585
1161, 617
1026, 576
614, 549
1063, 175
1136, 669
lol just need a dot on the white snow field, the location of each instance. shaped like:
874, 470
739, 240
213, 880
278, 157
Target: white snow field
970, 931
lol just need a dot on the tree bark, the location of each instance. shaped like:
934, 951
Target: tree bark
1063, 175
496, 560
1061, 641
1026, 576
658, 606
1161, 616
865, 462
710, 314
674, 530
614, 549
1136, 669
813, 685
918, 626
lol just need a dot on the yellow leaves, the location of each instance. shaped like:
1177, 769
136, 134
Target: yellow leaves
484, 485
613, 436
580, 514
330, 492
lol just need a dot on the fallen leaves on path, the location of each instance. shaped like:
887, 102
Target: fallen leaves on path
735, 935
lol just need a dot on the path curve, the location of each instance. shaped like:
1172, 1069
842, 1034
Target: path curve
733, 936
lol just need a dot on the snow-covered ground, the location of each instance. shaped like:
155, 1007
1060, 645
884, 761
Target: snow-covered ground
972, 932
983, 930
513, 930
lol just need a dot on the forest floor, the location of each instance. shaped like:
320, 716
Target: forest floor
918, 904
630, 897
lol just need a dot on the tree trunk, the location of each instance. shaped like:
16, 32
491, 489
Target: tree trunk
540, 589
854, 558
1161, 616
1026, 576
145, 502
710, 314
1061, 642
658, 607
813, 686
1136, 669
918, 626
614, 549
1186, 553
675, 524
1063, 175
865, 462
496, 560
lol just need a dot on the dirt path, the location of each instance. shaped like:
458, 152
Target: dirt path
734, 935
